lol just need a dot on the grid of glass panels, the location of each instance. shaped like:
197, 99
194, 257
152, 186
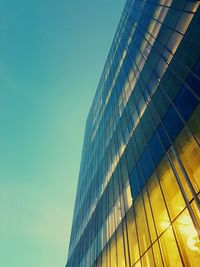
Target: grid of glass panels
137, 201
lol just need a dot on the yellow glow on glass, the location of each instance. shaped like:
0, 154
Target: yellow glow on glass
186, 227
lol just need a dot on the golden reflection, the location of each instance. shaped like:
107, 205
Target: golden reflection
171, 190
169, 249
194, 243
165, 224
103, 258
188, 149
157, 255
113, 257
141, 223
132, 237
138, 264
179, 172
118, 214
126, 248
120, 247
149, 216
188, 239
196, 212
147, 259
158, 205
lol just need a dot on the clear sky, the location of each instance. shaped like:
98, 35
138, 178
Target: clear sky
52, 53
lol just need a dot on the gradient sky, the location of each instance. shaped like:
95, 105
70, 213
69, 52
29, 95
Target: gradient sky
52, 53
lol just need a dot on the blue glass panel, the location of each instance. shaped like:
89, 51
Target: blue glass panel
156, 149
140, 174
117, 86
197, 68
194, 83
134, 184
147, 164
127, 64
132, 49
135, 15
144, 22
172, 123
163, 136
152, 84
185, 102
138, 38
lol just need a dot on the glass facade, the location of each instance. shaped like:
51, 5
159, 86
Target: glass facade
137, 201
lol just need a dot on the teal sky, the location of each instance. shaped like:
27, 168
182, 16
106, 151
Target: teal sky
52, 53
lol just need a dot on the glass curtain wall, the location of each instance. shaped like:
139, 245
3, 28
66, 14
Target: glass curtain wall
137, 201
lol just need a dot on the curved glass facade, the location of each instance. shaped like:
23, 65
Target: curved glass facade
137, 201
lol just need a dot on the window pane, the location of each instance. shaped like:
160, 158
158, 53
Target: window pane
185, 96
172, 123
112, 222
184, 22
163, 136
127, 196
194, 123
156, 149
194, 83
171, 190
180, 174
122, 204
169, 249
152, 229
196, 212
107, 228
120, 247
113, 256
157, 255
132, 237
141, 223
103, 235
126, 250
118, 214
174, 41
188, 149
147, 259
108, 254
188, 240
134, 184
158, 205
103, 259
138, 264
147, 164
98, 261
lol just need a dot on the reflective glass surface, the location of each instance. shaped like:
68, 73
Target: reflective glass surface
137, 201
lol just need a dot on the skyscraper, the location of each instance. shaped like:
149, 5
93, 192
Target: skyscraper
137, 201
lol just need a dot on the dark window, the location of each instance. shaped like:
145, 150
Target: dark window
185, 102
163, 136
197, 68
194, 83
134, 184
140, 174
172, 122
147, 164
130, 157
156, 149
